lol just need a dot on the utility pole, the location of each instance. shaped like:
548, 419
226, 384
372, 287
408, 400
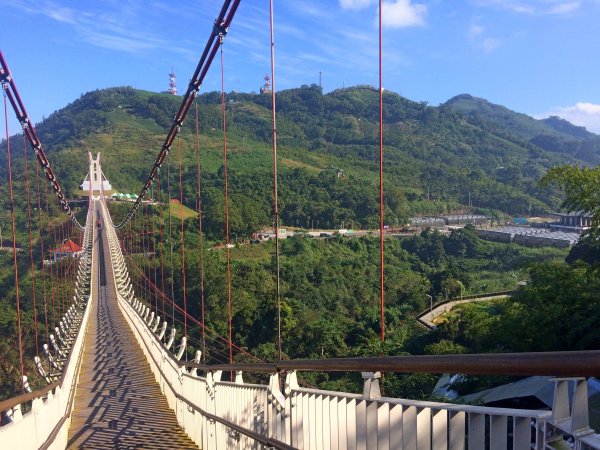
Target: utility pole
321, 80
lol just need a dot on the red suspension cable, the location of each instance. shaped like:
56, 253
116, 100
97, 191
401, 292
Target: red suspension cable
41, 229
57, 269
226, 206
170, 237
154, 265
162, 259
201, 238
182, 236
51, 242
144, 236
136, 268
381, 248
33, 290
275, 189
14, 239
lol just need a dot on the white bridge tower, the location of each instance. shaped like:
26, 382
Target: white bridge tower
95, 180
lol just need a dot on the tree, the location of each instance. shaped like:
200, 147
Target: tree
581, 186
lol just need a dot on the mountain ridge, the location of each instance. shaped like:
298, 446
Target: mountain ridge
466, 154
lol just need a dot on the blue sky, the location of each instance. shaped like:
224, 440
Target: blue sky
540, 57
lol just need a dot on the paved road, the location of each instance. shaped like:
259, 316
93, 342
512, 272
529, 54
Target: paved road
429, 317
118, 403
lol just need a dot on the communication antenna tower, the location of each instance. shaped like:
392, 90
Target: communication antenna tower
172, 83
266, 89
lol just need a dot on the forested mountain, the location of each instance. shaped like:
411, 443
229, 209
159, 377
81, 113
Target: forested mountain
552, 134
437, 159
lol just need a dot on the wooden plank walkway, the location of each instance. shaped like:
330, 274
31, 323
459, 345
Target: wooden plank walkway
118, 404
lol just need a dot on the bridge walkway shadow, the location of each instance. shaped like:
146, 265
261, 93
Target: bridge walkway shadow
118, 403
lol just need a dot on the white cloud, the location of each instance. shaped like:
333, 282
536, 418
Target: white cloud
584, 114
490, 44
395, 13
355, 4
564, 8
477, 35
475, 30
60, 14
534, 7
403, 13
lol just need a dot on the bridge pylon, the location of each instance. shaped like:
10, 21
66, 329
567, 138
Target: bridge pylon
95, 181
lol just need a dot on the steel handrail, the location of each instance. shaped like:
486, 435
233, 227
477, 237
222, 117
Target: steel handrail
584, 363
10, 403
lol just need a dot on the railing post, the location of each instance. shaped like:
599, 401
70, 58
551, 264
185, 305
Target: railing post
194, 371
371, 388
276, 408
574, 418
14, 414
291, 383
571, 417
211, 432
579, 411
239, 377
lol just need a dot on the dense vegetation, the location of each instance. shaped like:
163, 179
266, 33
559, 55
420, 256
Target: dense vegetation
437, 159
330, 292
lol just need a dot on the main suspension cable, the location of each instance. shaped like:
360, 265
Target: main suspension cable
220, 29
10, 91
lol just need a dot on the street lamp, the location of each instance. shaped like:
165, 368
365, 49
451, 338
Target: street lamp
430, 303
462, 288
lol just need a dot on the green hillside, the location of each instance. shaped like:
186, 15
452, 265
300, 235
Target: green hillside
436, 158
552, 134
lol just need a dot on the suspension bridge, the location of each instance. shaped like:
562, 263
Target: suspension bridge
111, 346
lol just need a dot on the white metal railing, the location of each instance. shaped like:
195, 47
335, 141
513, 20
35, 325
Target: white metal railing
46, 424
218, 414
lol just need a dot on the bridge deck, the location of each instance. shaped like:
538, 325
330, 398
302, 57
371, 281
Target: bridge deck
118, 403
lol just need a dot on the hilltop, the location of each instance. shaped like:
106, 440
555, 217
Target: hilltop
437, 159
552, 134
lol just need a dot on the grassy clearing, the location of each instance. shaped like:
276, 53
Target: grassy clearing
177, 210
261, 251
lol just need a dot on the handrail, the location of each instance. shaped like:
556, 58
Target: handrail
5, 405
563, 363
270, 442
14, 401
585, 363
